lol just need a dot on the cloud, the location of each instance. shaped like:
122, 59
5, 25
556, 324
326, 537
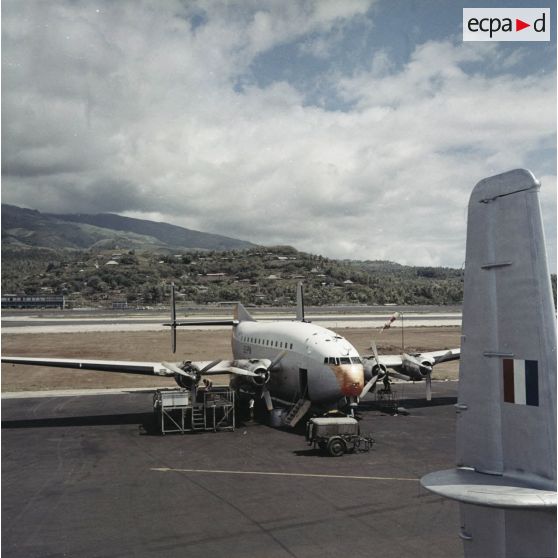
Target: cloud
134, 107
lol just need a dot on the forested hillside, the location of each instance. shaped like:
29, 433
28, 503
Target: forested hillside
255, 276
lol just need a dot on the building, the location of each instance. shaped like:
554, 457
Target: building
33, 301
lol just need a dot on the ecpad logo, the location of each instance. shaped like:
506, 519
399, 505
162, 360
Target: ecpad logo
506, 24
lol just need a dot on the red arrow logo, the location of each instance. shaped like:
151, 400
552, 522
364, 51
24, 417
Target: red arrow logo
519, 25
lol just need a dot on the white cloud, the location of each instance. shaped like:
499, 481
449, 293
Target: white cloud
133, 108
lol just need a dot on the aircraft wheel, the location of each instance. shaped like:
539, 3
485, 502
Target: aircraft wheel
336, 447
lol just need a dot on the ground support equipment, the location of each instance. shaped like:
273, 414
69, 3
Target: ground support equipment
183, 410
386, 400
337, 435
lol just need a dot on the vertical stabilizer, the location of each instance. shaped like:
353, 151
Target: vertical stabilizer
506, 422
241, 314
508, 352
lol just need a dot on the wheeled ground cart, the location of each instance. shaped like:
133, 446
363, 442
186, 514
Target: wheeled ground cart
337, 435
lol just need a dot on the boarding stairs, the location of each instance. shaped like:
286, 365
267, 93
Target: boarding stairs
198, 417
298, 410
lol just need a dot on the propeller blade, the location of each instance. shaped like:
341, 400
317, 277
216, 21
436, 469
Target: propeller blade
375, 352
300, 302
173, 319
369, 385
277, 360
209, 366
241, 372
267, 398
177, 370
429, 386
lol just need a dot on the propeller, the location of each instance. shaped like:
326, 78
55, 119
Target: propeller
177, 370
372, 382
265, 390
425, 369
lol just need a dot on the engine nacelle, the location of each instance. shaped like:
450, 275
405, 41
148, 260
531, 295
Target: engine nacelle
256, 367
263, 374
187, 381
415, 368
427, 364
371, 369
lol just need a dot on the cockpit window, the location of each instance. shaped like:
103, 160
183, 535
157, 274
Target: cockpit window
345, 360
332, 360
356, 360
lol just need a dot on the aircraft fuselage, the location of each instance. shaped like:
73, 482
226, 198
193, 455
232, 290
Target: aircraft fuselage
318, 364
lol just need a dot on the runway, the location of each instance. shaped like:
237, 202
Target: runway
70, 323
89, 476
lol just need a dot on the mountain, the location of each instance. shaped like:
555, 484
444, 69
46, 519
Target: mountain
104, 231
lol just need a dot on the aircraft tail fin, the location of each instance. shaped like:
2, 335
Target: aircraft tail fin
506, 422
241, 314
508, 354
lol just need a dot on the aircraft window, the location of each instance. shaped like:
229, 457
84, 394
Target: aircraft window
326, 360
267, 342
333, 360
280, 344
345, 360
356, 360
291, 346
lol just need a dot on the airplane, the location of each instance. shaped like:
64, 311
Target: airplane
505, 478
297, 364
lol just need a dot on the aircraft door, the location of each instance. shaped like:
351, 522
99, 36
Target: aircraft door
303, 382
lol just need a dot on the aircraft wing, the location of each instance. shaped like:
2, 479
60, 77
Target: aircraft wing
415, 366
440, 356
242, 367
238, 367
147, 368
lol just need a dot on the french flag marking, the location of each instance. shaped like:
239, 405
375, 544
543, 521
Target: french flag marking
521, 381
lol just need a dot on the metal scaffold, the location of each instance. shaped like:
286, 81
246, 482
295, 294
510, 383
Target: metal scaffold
183, 410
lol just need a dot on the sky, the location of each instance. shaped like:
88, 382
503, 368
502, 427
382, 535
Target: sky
351, 129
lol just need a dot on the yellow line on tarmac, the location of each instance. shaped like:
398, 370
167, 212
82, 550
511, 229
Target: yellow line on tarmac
278, 474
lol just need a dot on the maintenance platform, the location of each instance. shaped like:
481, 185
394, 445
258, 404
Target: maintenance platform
183, 410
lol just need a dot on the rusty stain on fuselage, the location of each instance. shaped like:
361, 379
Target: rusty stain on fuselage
350, 378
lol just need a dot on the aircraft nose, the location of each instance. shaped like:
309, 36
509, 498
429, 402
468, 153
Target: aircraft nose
352, 380
353, 389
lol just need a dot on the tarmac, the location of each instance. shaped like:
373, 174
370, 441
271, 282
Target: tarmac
90, 476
